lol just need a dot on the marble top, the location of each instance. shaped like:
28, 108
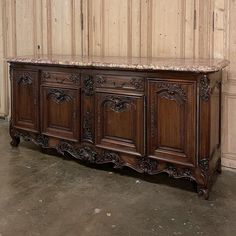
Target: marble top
136, 63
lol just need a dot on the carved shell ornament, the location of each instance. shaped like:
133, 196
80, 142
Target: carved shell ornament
58, 95
117, 104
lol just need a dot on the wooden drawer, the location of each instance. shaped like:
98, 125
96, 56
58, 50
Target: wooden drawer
60, 77
119, 82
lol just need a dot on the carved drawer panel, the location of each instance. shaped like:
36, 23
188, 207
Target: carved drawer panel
119, 82
69, 78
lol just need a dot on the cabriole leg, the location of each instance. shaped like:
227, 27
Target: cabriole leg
14, 135
203, 192
219, 167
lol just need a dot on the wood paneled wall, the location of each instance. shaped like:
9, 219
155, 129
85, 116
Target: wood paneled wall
163, 28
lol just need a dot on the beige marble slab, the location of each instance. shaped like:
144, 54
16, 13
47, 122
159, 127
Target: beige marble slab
173, 64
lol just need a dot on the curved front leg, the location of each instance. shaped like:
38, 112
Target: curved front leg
14, 135
203, 192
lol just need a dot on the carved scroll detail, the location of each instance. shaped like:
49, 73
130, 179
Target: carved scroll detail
91, 155
117, 104
87, 154
58, 95
74, 78
24, 79
137, 83
172, 91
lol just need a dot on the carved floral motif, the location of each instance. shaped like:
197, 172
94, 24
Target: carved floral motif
24, 79
205, 89
87, 126
204, 166
74, 78
178, 173
148, 165
46, 75
42, 140
100, 80
172, 91
88, 85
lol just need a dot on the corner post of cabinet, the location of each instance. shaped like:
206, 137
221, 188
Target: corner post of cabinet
12, 131
88, 108
11, 89
204, 119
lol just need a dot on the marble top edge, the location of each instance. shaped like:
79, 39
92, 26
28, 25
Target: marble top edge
138, 63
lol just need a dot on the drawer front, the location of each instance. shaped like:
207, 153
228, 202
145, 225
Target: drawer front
122, 82
60, 77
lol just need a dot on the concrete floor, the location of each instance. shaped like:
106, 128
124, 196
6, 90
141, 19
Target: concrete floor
47, 195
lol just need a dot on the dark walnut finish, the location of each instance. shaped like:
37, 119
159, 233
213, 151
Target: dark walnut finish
152, 121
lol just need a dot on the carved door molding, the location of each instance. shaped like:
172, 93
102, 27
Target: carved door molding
61, 116
25, 97
120, 122
171, 118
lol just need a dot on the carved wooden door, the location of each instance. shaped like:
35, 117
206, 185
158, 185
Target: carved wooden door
25, 105
172, 121
60, 112
119, 122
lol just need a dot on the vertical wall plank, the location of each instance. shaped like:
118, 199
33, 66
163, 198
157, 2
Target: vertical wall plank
167, 40
144, 28
61, 20
205, 27
2, 49
115, 27
78, 34
24, 20
188, 24
134, 33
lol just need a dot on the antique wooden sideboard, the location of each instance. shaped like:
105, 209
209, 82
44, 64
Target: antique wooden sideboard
152, 115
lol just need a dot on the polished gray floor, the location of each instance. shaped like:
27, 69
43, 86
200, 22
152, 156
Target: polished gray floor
42, 194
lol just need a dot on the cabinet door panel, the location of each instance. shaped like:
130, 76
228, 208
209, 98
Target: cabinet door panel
60, 117
120, 122
25, 99
171, 116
